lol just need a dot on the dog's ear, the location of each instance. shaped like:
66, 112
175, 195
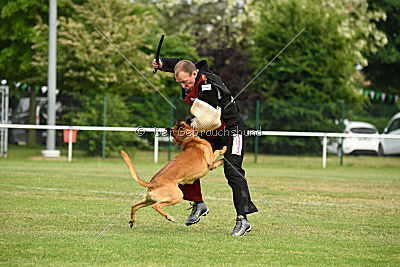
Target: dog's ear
176, 123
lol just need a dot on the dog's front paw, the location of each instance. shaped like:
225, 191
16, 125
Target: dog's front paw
131, 223
223, 150
213, 167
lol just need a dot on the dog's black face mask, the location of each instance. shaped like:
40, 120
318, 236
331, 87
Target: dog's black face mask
178, 133
179, 127
171, 133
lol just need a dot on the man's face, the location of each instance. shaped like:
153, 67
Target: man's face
186, 80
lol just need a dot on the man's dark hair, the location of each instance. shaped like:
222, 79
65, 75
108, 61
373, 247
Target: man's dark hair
185, 66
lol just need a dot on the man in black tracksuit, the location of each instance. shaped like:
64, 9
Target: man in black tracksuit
199, 82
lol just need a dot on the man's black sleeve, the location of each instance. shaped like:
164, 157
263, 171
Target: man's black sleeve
209, 96
168, 64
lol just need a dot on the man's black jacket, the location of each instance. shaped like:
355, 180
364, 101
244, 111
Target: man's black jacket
219, 95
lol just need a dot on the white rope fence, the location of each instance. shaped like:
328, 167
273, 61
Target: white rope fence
162, 131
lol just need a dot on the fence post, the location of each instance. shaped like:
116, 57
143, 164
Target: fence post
103, 151
324, 144
257, 126
341, 143
70, 145
4, 119
171, 124
5, 151
155, 146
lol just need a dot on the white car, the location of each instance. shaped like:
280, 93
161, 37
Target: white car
391, 146
357, 145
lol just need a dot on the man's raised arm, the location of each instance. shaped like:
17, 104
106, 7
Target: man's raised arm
166, 64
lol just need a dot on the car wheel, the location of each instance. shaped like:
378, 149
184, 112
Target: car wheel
381, 153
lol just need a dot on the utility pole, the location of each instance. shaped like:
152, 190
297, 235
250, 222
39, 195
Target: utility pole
52, 82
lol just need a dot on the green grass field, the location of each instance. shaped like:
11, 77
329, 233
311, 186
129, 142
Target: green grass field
51, 212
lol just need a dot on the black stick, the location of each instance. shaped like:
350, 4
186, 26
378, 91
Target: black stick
158, 52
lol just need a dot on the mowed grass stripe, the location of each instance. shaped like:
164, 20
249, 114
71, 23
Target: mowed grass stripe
88, 193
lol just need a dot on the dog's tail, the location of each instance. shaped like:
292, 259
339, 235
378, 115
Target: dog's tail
132, 169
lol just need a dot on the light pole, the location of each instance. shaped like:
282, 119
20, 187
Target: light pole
52, 82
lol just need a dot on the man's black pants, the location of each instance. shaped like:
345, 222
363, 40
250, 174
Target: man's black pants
234, 172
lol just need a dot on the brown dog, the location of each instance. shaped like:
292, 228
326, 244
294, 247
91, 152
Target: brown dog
194, 162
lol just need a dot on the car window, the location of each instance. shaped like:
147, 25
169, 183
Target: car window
395, 125
23, 105
361, 130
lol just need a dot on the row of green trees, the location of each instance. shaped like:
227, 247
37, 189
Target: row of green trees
238, 38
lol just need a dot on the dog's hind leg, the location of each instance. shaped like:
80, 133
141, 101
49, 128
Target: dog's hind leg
174, 198
159, 205
135, 207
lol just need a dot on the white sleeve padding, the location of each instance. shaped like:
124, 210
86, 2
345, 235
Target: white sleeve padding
207, 118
